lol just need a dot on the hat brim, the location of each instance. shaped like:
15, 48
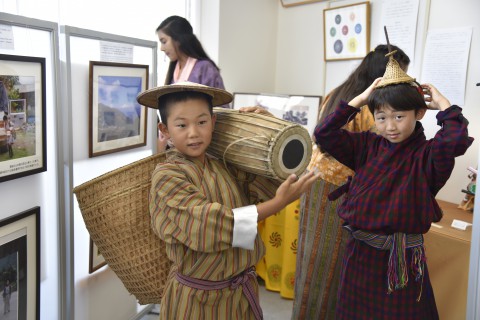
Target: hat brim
149, 98
388, 82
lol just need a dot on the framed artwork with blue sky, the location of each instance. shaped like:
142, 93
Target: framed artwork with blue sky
117, 122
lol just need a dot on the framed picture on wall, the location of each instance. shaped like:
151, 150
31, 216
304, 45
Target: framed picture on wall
117, 121
20, 265
96, 260
296, 108
346, 32
291, 3
22, 116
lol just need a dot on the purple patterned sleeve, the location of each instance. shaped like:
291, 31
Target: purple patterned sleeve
204, 72
338, 142
450, 141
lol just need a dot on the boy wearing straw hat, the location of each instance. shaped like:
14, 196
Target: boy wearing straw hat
390, 202
207, 213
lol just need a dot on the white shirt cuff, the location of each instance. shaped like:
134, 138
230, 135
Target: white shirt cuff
245, 227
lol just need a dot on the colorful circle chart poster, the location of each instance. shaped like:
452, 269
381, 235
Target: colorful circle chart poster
346, 32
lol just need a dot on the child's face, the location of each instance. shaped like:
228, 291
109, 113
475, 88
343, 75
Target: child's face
396, 126
190, 127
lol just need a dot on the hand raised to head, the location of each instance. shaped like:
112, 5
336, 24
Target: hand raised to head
435, 100
361, 100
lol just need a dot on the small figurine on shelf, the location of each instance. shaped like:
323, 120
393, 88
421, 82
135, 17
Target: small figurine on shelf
469, 199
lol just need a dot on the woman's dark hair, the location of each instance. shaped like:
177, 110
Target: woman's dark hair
167, 101
372, 67
401, 97
181, 31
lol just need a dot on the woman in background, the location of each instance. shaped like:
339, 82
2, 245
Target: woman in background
320, 237
188, 59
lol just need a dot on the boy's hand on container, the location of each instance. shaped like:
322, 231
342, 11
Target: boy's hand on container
289, 191
257, 110
293, 187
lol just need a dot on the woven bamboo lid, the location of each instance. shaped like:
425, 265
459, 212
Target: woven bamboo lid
394, 73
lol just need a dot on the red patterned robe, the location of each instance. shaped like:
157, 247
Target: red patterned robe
393, 190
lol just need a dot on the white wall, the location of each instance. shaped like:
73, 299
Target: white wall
300, 67
463, 13
247, 41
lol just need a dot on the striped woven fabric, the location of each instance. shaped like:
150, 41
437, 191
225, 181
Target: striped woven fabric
383, 241
320, 249
244, 280
397, 244
190, 206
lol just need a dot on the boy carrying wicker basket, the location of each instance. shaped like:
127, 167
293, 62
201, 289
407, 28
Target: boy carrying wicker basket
207, 213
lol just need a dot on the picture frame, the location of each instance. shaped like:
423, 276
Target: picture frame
96, 260
302, 109
291, 3
346, 32
23, 142
20, 265
117, 121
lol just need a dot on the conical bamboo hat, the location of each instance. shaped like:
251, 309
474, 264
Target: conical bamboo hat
394, 73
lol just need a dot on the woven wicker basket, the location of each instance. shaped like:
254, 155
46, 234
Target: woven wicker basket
115, 209
393, 73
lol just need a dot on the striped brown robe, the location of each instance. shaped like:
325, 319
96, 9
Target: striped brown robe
191, 209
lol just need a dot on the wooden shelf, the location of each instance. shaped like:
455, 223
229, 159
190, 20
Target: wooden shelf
451, 212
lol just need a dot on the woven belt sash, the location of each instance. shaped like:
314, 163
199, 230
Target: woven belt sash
397, 243
243, 279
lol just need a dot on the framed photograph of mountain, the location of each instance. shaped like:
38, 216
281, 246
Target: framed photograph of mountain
117, 122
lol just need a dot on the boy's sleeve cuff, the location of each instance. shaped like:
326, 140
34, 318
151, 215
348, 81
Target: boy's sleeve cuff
245, 227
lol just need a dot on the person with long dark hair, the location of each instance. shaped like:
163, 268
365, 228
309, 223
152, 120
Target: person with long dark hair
188, 60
